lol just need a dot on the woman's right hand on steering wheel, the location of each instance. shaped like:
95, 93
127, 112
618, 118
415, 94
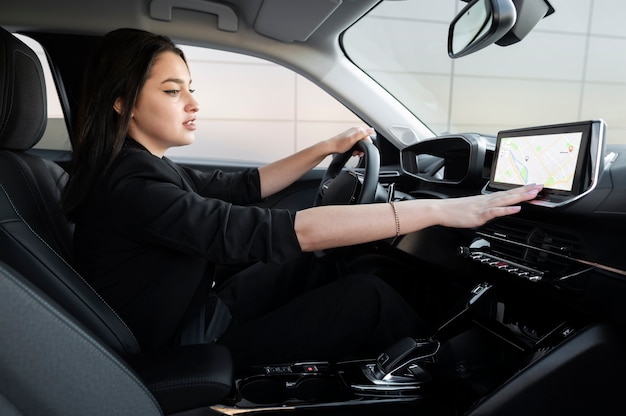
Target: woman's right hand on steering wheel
346, 140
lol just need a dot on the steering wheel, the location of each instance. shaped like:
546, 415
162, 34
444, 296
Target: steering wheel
345, 187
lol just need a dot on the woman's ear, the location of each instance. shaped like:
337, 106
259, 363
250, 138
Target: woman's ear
118, 105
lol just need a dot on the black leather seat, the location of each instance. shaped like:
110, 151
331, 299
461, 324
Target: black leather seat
51, 365
36, 239
23, 116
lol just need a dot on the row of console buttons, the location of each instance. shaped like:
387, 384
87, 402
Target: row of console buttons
298, 368
507, 266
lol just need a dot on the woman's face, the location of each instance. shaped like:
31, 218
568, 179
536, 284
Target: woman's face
165, 112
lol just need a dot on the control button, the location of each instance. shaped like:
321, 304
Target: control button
278, 370
310, 369
382, 359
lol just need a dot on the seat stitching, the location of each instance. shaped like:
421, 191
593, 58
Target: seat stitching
68, 265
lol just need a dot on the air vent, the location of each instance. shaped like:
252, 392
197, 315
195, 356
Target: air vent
548, 249
506, 239
555, 250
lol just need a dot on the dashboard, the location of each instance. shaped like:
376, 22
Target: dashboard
568, 241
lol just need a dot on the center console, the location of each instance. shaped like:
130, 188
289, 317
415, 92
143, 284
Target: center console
400, 373
490, 355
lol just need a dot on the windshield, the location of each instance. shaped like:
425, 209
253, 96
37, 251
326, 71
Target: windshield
571, 67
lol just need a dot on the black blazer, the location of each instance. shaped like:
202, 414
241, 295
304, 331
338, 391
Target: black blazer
152, 230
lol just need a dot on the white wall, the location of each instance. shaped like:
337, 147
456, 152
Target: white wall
572, 66
251, 109
580, 74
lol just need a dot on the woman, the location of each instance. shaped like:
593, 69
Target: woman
149, 232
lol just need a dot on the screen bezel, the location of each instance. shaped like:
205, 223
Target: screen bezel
582, 163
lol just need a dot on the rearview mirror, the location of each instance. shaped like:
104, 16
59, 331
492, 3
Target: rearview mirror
503, 22
529, 13
480, 24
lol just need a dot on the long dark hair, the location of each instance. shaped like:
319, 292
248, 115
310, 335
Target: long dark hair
118, 68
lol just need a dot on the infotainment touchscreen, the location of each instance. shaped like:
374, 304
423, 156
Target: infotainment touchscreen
548, 159
562, 157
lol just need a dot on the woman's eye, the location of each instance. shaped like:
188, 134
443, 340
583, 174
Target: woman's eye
174, 93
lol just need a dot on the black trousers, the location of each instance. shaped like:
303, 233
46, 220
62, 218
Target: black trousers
309, 310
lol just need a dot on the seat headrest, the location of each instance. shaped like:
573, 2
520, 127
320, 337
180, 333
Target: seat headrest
23, 105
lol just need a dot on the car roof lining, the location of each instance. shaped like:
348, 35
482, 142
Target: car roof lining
197, 19
202, 28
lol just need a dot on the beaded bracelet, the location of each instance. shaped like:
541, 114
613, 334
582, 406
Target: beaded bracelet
395, 214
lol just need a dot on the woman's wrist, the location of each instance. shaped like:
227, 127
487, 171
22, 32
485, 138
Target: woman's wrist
420, 213
328, 147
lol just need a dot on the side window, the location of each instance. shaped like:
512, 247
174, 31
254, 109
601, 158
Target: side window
56, 136
251, 110
254, 110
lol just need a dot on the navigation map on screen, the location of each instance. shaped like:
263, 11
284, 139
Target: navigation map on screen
548, 159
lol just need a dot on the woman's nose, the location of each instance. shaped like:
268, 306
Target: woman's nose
193, 105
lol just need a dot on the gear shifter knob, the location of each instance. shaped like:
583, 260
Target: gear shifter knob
405, 351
